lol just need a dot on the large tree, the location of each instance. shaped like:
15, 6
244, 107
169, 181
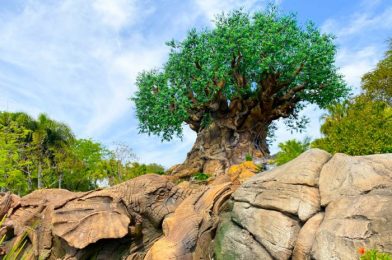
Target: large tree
231, 82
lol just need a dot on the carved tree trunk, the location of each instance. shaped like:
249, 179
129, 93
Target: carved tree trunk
239, 126
221, 145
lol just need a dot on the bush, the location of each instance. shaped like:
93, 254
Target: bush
248, 157
290, 150
373, 254
200, 176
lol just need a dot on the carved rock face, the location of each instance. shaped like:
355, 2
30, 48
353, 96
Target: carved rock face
152, 197
81, 219
109, 213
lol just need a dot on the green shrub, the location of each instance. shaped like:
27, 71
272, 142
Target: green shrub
290, 150
200, 176
373, 254
248, 157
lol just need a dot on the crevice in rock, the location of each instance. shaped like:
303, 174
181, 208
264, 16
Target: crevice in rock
252, 236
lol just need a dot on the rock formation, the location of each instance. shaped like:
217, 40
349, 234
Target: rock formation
314, 207
317, 206
122, 221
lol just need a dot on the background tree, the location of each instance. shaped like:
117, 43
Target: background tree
123, 155
364, 124
291, 149
377, 84
44, 153
84, 165
230, 83
364, 128
11, 174
49, 136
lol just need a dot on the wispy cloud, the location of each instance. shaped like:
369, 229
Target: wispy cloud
361, 38
72, 57
210, 8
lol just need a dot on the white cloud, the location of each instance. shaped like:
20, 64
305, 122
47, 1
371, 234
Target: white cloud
354, 64
213, 7
116, 13
77, 61
70, 61
360, 22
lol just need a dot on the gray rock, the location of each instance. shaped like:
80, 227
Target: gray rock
353, 222
235, 243
300, 200
306, 236
272, 229
305, 169
347, 175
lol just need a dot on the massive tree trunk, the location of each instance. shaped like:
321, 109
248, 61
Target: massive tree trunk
238, 126
227, 140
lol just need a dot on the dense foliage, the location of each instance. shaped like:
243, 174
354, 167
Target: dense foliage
364, 124
44, 153
290, 150
378, 83
264, 60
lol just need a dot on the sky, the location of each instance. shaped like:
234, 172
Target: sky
77, 60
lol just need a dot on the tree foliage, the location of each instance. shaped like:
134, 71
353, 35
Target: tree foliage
265, 59
357, 128
291, 149
377, 84
364, 124
44, 153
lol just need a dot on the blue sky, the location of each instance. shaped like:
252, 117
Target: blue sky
77, 60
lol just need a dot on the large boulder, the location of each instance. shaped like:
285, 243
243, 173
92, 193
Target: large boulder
234, 242
352, 222
189, 230
347, 175
316, 206
63, 224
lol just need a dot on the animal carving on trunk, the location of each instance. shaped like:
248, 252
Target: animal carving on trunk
81, 219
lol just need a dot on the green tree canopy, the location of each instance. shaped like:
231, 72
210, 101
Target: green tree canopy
266, 59
44, 153
357, 128
378, 83
364, 124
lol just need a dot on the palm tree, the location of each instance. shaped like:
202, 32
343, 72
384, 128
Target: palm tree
48, 137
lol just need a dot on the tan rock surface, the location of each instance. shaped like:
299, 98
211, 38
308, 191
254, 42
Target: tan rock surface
303, 245
305, 169
190, 224
275, 231
135, 208
353, 175
299, 200
214, 168
353, 222
7, 202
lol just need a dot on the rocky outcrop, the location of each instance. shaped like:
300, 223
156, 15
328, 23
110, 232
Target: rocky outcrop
122, 221
188, 232
317, 206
